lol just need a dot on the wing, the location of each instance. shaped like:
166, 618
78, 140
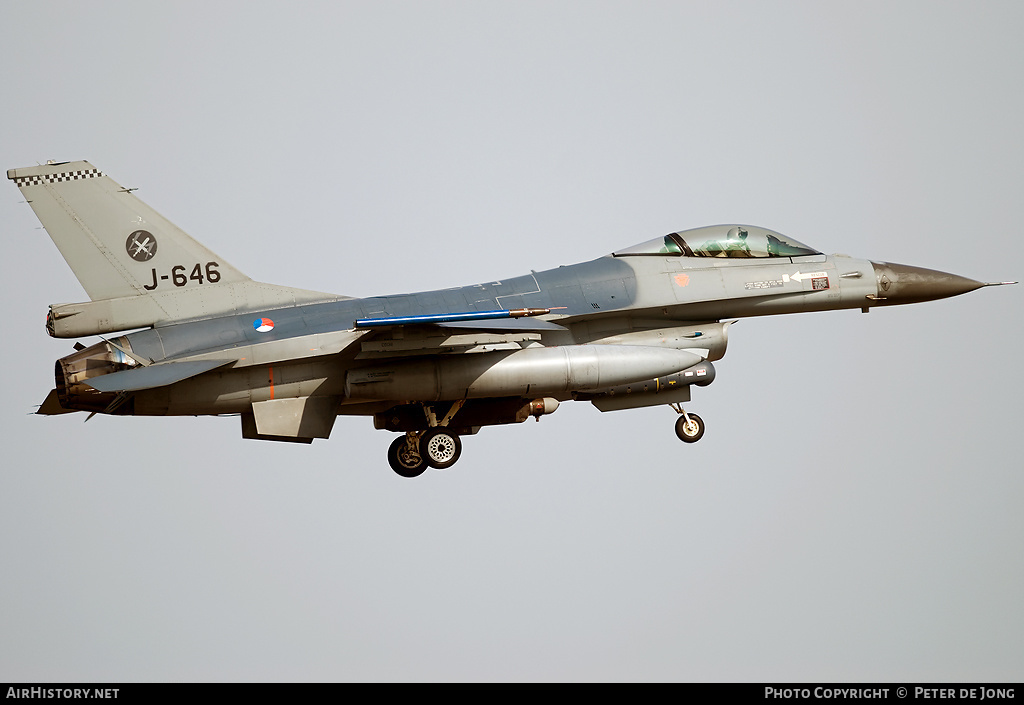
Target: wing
151, 376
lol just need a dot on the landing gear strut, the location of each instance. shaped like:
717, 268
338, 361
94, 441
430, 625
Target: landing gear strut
689, 427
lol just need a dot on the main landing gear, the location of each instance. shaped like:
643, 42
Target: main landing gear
689, 427
437, 447
410, 455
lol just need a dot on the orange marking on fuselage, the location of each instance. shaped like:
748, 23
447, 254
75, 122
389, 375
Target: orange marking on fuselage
271, 368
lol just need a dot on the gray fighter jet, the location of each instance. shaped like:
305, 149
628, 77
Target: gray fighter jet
638, 327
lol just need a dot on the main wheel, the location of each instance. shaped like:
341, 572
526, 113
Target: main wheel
440, 448
689, 432
404, 461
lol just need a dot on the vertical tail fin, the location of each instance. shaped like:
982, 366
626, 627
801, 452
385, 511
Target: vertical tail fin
138, 268
111, 240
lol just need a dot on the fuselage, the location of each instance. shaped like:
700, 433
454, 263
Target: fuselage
665, 291
644, 300
636, 298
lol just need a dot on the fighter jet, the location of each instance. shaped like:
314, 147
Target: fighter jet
638, 327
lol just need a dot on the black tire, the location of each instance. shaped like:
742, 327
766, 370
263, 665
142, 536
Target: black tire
402, 461
687, 434
440, 448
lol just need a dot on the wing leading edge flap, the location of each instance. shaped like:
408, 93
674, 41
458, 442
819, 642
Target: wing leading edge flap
158, 375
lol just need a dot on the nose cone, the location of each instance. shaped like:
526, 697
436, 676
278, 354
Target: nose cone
903, 284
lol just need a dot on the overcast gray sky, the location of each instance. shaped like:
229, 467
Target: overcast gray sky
853, 512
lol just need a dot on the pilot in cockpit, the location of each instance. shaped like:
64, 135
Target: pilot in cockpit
734, 245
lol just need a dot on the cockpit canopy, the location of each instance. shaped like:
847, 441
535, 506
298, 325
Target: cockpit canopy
721, 241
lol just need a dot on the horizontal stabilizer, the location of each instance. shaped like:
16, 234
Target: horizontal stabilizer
151, 376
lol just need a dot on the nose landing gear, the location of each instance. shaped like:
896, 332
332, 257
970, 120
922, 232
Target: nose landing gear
689, 427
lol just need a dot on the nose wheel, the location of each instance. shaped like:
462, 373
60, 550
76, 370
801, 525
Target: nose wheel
689, 427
